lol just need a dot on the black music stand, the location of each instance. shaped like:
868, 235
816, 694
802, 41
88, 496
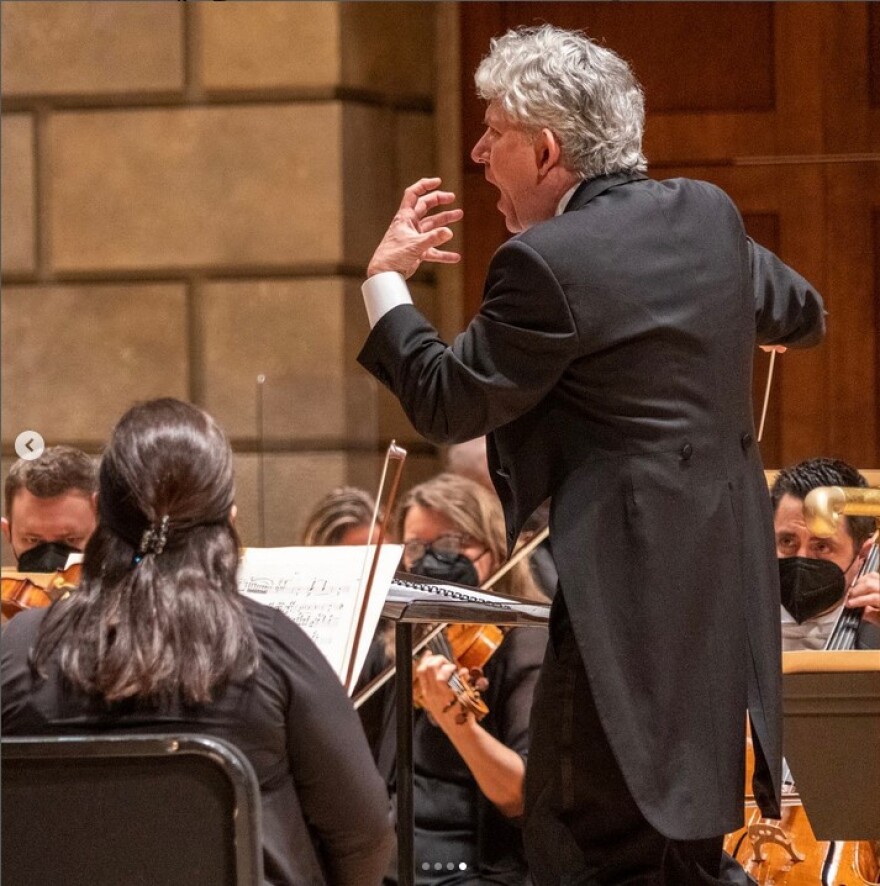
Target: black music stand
415, 600
832, 740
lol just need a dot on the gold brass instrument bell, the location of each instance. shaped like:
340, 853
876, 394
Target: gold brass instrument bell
825, 505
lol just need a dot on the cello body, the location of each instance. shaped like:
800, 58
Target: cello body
785, 852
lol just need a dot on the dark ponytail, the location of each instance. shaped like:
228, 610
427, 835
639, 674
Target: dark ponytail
158, 614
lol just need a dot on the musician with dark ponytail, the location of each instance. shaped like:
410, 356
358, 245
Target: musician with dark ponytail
158, 639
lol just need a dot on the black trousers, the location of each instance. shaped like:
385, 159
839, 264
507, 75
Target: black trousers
582, 825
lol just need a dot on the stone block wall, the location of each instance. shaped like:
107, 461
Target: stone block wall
190, 194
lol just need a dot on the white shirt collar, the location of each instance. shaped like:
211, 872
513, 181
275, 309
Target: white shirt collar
812, 634
566, 197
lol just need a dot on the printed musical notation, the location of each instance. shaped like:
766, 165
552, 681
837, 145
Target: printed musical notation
321, 589
316, 605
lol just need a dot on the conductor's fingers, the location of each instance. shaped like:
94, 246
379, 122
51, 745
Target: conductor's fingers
418, 189
441, 257
432, 200
440, 219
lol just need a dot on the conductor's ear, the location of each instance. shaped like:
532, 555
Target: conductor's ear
233, 513
548, 151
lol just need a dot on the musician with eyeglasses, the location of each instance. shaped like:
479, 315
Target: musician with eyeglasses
468, 775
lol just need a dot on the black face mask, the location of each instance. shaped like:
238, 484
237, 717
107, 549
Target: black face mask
50, 556
809, 587
458, 569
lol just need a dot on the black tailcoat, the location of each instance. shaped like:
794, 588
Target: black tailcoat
611, 364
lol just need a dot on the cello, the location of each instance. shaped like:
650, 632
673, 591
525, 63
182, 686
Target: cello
785, 852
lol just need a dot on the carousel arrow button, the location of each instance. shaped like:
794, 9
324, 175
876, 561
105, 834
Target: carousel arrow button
29, 445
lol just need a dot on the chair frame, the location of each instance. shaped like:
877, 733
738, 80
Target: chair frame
224, 756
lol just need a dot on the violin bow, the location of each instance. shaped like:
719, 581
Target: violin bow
397, 455
521, 552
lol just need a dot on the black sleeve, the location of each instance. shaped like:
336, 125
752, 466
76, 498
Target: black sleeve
341, 793
509, 357
16, 640
788, 310
512, 686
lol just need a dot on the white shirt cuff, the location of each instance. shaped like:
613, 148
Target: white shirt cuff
382, 292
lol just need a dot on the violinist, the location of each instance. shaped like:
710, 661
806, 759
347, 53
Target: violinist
50, 508
815, 573
468, 775
158, 639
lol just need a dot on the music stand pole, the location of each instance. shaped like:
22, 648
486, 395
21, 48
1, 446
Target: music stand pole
415, 600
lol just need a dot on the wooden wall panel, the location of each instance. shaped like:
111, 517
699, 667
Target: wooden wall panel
779, 104
482, 230
479, 23
873, 52
721, 55
852, 288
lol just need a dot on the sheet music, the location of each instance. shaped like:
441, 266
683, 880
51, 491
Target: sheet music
320, 589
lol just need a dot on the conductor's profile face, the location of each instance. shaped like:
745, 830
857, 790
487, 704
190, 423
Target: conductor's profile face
510, 157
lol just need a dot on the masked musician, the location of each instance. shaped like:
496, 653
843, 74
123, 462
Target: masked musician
50, 508
814, 572
468, 775
157, 635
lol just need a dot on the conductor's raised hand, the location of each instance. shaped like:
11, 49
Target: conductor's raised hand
416, 232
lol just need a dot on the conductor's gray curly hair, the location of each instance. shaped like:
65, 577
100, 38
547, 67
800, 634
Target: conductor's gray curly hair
585, 94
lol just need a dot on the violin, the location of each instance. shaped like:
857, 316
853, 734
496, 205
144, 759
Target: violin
470, 646
32, 590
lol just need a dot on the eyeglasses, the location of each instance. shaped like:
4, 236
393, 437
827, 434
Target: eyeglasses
445, 547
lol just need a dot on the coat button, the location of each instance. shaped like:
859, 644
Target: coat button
746, 440
687, 451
